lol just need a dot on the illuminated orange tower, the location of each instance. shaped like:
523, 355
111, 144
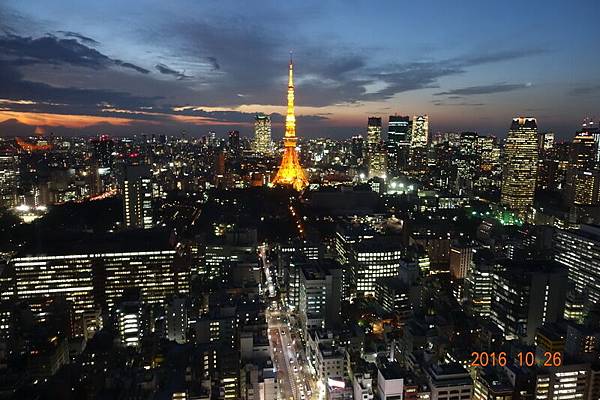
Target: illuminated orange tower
290, 171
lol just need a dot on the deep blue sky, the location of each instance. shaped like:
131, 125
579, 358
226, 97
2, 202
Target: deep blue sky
163, 66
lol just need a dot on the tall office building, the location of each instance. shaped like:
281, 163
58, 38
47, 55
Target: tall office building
461, 258
154, 273
582, 175
398, 144
36, 279
478, 284
419, 141
584, 187
233, 142
583, 151
373, 131
9, 179
100, 278
104, 148
177, 319
358, 144
211, 139
320, 295
137, 197
370, 259
520, 164
526, 296
420, 131
399, 129
547, 162
545, 141
579, 251
263, 144
375, 149
591, 128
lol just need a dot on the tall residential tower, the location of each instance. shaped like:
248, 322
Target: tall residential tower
137, 197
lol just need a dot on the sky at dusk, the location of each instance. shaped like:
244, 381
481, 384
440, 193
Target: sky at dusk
121, 67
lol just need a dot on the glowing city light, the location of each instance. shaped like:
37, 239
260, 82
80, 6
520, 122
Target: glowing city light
290, 171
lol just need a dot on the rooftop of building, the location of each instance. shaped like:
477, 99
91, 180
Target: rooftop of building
520, 270
392, 282
380, 244
496, 383
73, 243
330, 350
551, 332
452, 374
318, 269
590, 231
392, 370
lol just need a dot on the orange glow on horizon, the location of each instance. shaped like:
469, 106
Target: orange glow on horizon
84, 121
66, 120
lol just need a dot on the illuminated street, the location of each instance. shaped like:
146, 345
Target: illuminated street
295, 381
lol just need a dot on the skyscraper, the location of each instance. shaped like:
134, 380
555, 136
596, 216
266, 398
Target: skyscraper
579, 251
418, 142
137, 197
262, 135
583, 151
234, 141
526, 296
290, 171
357, 149
104, 147
375, 149
520, 164
420, 131
398, 143
373, 131
320, 295
591, 128
9, 179
546, 141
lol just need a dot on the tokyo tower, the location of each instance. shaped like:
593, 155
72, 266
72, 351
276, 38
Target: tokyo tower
290, 171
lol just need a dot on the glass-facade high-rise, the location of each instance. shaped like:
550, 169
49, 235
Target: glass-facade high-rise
520, 164
579, 251
399, 129
398, 144
375, 150
262, 135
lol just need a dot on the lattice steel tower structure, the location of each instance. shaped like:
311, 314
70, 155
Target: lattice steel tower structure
290, 171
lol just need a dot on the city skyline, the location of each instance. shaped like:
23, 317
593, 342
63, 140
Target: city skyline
408, 207
112, 69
